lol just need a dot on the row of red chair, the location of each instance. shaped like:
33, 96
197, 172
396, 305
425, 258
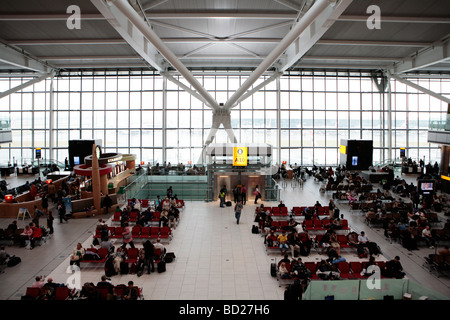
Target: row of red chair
317, 224
145, 203
348, 270
300, 211
138, 232
101, 252
61, 293
133, 216
342, 238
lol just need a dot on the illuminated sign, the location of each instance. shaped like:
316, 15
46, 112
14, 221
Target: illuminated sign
240, 156
445, 178
343, 149
38, 153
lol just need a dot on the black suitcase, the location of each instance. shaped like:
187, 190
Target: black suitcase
228, 204
169, 257
109, 268
161, 266
255, 229
13, 260
273, 269
124, 268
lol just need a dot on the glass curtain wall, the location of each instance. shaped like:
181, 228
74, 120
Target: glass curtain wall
303, 115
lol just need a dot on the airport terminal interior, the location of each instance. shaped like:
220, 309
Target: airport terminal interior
109, 107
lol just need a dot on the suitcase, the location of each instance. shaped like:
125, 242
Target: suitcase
124, 268
109, 268
228, 204
255, 229
273, 269
13, 260
169, 257
161, 267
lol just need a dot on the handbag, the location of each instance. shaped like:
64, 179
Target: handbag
255, 193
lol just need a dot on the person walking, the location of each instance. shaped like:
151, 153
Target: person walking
257, 194
243, 194
50, 219
237, 211
62, 212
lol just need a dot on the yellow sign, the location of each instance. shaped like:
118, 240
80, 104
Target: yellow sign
445, 178
343, 149
240, 156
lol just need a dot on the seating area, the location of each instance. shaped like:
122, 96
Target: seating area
138, 233
95, 292
354, 270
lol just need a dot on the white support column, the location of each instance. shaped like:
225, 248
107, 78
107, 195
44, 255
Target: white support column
24, 85
164, 121
278, 122
306, 25
248, 94
148, 40
420, 88
51, 119
389, 105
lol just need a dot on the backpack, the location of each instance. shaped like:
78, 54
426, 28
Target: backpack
13, 260
255, 229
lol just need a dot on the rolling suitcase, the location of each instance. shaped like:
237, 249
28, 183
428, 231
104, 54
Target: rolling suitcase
161, 267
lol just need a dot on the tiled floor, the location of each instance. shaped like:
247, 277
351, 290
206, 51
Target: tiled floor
216, 259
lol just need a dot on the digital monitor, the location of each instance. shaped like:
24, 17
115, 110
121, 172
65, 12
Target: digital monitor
76, 160
354, 161
426, 186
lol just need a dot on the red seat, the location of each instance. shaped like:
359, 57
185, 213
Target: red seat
136, 232
117, 233
275, 211
312, 266
297, 211
164, 232
157, 254
61, 293
283, 211
33, 293
103, 292
344, 269
103, 253
356, 269
144, 203
343, 241
111, 231
309, 225
275, 224
154, 232
345, 224
98, 233
116, 216
119, 291
133, 215
283, 223
145, 233
318, 225
156, 216
132, 255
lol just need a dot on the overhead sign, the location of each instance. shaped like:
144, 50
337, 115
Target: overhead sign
343, 149
38, 153
240, 156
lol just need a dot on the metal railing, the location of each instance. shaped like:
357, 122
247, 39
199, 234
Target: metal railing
439, 126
